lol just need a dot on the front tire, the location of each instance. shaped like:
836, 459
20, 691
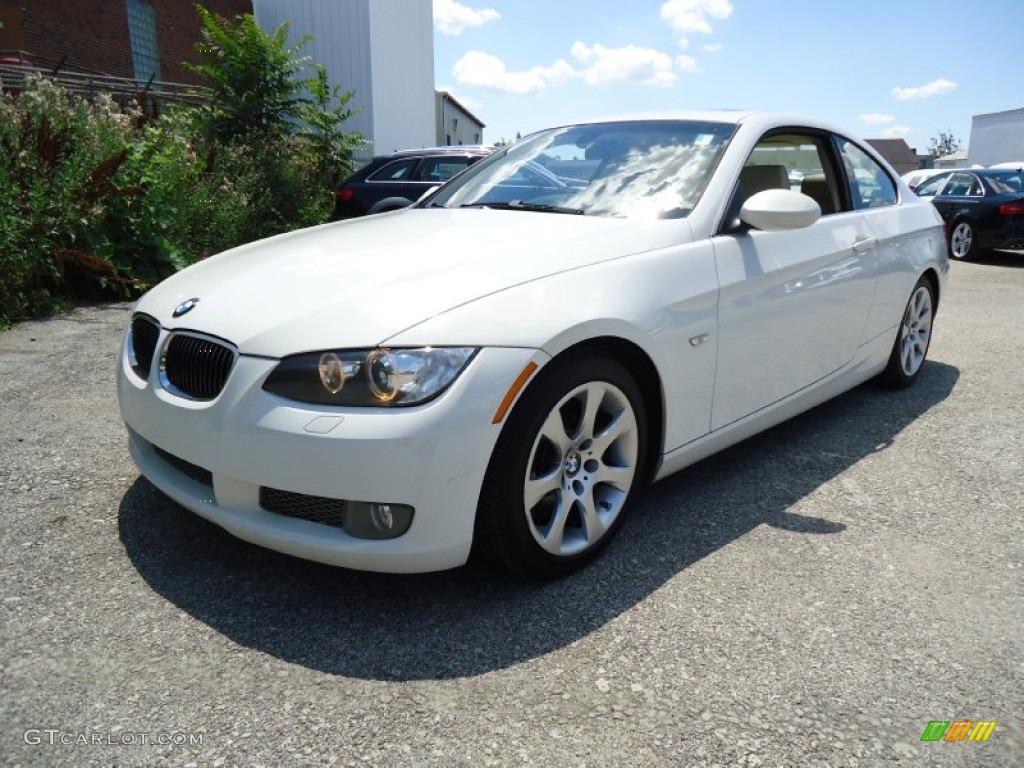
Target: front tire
913, 338
963, 241
564, 469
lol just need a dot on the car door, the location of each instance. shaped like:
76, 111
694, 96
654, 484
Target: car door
793, 304
392, 180
930, 188
961, 197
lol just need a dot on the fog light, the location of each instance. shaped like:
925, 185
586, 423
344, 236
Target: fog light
377, 520
381, 517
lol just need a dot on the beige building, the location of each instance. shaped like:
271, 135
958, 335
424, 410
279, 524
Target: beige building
456, 125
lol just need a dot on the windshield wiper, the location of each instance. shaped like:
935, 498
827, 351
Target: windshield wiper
519, 205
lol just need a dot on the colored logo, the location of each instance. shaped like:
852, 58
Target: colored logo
958, 730
185, 307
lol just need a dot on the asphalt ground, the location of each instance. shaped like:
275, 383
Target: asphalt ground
813, 597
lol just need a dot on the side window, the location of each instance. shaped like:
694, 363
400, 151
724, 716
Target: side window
933, 185
399, 170
959, 185
792, 161
440, 169
870, 185
976, 189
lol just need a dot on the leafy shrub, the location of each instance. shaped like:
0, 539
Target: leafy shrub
57, 161
98, 201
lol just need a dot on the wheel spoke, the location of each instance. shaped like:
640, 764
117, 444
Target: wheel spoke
618, 477
538, 487
916, 310
594, 395
554, 535
554, 430
924, 320
593, 525
621, 424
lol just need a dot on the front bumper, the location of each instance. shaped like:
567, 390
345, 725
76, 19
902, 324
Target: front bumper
432, 457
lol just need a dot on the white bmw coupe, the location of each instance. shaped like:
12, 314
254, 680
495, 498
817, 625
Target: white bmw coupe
499, 367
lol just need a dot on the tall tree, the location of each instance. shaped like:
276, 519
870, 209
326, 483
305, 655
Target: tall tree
254, 76
944, 143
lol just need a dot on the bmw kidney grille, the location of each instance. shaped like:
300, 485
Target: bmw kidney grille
195, 366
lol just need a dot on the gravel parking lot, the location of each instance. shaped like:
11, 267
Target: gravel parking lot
812, 597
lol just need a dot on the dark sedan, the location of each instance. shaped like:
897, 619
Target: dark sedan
395, 181
983, 208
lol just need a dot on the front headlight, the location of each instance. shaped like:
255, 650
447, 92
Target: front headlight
374, 377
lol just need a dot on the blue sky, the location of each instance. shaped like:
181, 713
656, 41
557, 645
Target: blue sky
879, 68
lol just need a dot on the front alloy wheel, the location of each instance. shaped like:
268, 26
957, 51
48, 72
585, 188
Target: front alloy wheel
564, 468
581, 467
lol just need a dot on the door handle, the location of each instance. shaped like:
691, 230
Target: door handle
865, 244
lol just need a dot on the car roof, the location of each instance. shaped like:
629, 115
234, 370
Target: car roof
992, 171
757, 120
460, 149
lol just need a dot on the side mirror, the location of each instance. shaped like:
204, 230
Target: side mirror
779, 209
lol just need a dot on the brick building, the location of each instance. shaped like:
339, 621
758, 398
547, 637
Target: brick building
135, 39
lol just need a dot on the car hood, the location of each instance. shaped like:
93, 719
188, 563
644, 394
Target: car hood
357, 283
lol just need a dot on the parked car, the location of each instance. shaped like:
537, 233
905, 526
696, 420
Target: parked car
395, 181
983, 208
914, 178
498, 368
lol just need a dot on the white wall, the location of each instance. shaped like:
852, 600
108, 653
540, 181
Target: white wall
997, 138
402, 66
381, 49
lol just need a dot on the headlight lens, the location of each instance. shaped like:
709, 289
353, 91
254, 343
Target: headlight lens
369, 377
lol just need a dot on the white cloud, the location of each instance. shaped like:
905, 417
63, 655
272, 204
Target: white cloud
713, 47
876, 118
896, 132
689, 16
629, 64
934, 88
452, 17
687, 64
485, 70
597, 66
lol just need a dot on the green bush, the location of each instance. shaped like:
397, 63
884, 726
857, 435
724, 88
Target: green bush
97, 202
58, 158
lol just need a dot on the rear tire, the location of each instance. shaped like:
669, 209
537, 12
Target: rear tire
963, 239
564, 469
913, 338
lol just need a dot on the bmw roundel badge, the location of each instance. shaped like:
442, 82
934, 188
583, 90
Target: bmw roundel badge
185, 307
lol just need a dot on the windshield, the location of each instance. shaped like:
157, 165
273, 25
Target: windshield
650, 169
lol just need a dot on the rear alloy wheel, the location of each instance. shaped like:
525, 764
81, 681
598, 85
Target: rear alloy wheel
564, 468
962, 241
913, 339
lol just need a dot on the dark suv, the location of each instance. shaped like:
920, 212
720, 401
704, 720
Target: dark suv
390, 182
